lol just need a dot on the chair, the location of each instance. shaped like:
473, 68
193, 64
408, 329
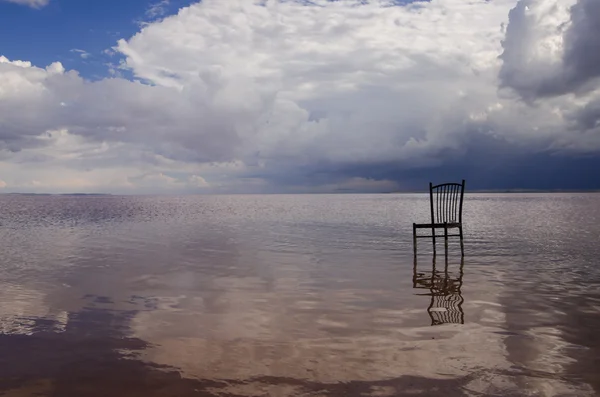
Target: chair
446, 202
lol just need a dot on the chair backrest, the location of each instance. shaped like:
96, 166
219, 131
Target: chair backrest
446, 202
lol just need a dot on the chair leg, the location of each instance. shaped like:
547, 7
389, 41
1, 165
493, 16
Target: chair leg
446, 239
415, 240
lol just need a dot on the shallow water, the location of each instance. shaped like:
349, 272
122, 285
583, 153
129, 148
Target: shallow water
300, 295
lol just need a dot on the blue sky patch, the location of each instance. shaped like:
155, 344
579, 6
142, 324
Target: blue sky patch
74, 32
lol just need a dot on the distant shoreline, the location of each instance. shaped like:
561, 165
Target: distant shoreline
57, 194
342, 192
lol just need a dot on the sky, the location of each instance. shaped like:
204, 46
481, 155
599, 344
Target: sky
298, 96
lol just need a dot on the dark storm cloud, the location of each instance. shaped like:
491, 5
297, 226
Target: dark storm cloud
588, 117
490, 164
582, 43
526, 67
486, 163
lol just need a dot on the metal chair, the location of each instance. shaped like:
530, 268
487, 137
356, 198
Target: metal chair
446, 202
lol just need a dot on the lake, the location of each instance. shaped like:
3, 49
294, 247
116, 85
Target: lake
297, 295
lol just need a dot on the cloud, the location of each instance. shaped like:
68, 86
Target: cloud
286, 62
197, 181
582, 42
160, 181
175, 124
289, 96
552, 47
82, 53
30, 3
552, 58
157, 9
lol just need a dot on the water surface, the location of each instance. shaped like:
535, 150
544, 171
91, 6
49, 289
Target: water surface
300, 295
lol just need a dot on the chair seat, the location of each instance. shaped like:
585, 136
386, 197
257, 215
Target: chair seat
436, 225
446, 206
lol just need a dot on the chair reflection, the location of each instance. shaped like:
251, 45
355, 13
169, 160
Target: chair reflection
444, 288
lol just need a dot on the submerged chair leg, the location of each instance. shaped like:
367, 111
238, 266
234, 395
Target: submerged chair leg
415, 272
415, 240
